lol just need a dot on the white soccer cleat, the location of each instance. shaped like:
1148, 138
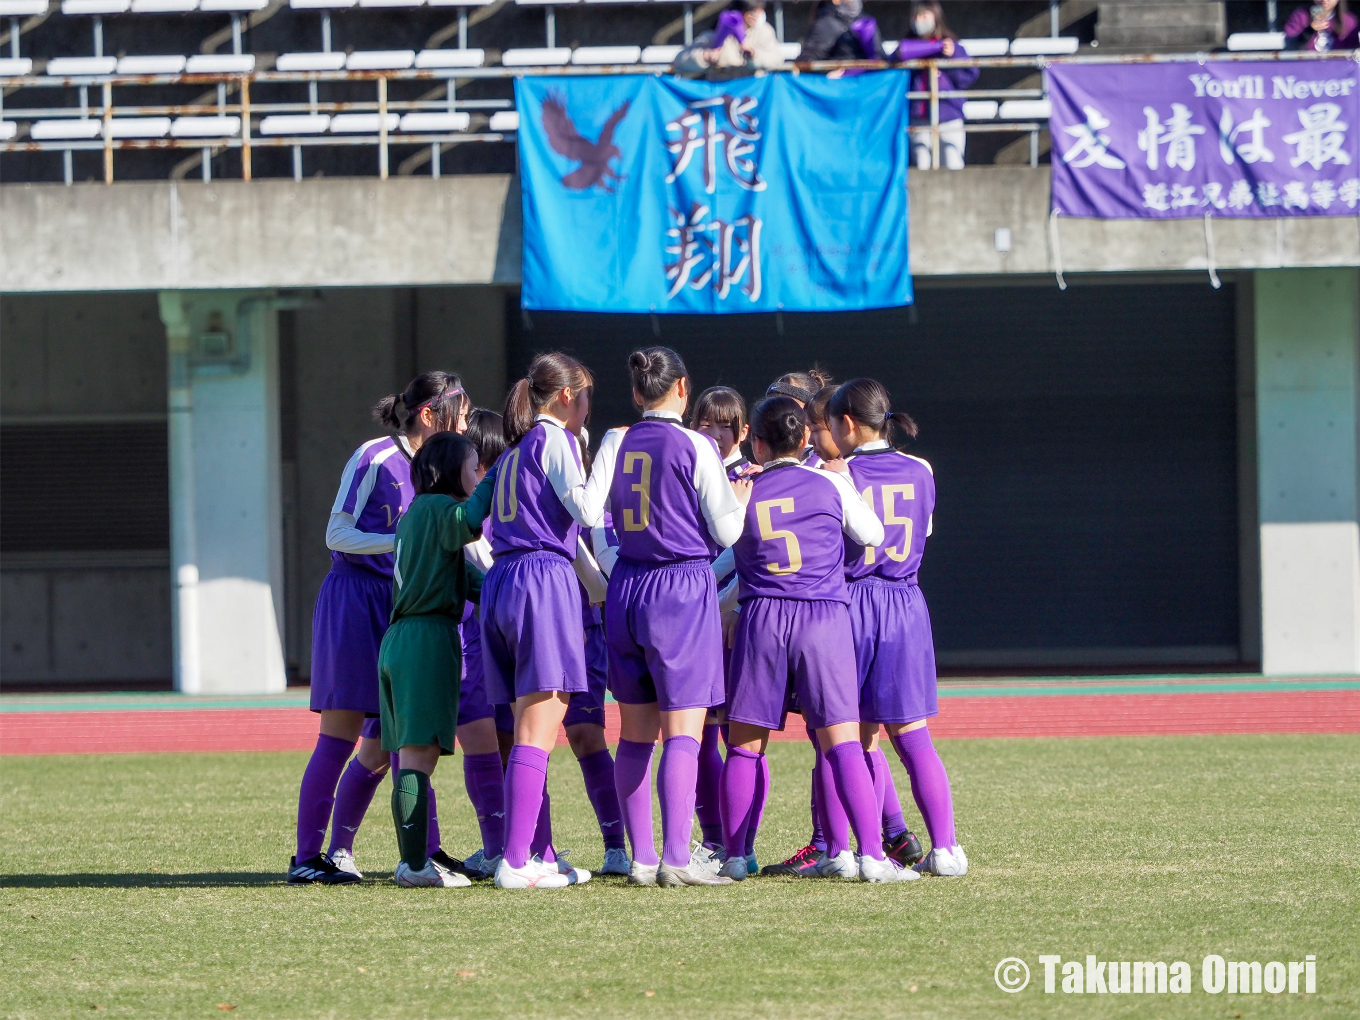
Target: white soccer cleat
485, 867
735, 869
691, 874
616, 861
886, 870
841, 866
344, 860
432, 875
946, 862
642, 874
534, 875
575, 876
704, 858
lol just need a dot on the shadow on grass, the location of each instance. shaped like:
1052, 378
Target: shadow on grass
148, 880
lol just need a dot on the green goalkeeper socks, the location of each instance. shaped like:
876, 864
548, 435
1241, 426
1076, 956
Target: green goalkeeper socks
410, 811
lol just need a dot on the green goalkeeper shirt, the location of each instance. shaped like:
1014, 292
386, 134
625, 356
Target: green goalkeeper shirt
430, 574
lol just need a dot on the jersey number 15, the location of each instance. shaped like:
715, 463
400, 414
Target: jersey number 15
890, 517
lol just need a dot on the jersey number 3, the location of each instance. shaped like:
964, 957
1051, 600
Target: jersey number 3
890, 518
507, 505
643, 487
769, 533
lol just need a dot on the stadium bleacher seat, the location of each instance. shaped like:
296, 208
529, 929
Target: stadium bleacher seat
169, 64
427, 59
362, 123
295, 124
164, 6
65, 130
980, 109
309, 61
232, 6
391, 3
72, 67
76, 7
321, 5
22, 8
660, 54
15, 67
986, 47
542, 56
790, 51
504, 121
1025, 109
435, 122
606, 54
8, 129
380, 60
139, 127
1044, 46
205, 127
1253, 42
220, 63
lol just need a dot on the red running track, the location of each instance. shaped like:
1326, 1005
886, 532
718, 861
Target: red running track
1076, 715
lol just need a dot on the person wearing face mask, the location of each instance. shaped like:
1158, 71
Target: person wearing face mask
931, 37
1322, 26
840, 32
743, 38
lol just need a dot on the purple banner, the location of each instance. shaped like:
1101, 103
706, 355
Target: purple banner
1171, 141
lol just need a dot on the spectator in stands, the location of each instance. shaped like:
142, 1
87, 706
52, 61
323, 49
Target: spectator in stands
932, 37
839, 31
742, 38
1322, 26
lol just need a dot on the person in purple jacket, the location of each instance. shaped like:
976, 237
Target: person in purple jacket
674, 509
533, 646
793, 631
931, 37
348, 624
894, 651
1321, 26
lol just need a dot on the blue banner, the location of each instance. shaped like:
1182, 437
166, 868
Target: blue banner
649, 194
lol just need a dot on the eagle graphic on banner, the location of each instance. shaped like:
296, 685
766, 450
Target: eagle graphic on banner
594, 157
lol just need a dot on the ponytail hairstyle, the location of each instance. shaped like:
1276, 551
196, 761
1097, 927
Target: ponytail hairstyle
866, 402
780, 424
720, 405
816, 408
801, 386
442, 392
438, 465
548, 373
654, 370
485, 431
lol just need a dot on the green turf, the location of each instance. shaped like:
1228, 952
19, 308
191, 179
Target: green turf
151, 886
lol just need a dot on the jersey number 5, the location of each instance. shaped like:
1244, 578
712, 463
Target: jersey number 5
769, 533
506, 504
643, 487
890, 518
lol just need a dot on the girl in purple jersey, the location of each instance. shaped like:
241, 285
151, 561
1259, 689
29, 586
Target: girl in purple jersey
349, 621
894, 651
793, 632
533, 648
673, 509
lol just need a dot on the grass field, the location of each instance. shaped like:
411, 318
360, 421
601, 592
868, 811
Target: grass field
151, 886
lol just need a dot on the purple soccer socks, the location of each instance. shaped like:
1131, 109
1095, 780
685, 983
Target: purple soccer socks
317, 794
708, 792
633, 783
740, 777
676, 781
748, 847
526, 778
893, 822
854, 788
929, 784
352, 798
598, 772
485, 782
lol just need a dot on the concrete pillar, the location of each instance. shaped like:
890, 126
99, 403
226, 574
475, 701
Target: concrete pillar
1307, 367
226, 520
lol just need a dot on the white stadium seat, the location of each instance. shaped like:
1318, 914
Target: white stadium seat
295, 124
12, 67
890, 46
321, 5
980, 109
138, 127
309, 62
164, 6
606, 54
391, 3
1044, 46
64, 130
546, 3
790, 51
986, 47
168, 64
1025, 109
427, 59
95, 6
8, 129
1255, 42
221, 63
504, 121
435, 122
536, 57
205, 127
660, 54
362, 123
380, 60
233, 6
71, 67
22, 8
461, 3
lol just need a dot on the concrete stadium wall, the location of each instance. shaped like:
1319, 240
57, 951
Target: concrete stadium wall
362, 232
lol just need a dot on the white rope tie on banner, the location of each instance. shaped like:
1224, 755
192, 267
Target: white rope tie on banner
1209, 250
1056, 245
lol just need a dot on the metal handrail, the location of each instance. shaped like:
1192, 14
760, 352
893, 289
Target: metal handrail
107, 110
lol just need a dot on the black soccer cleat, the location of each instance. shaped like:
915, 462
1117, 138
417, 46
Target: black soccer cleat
453, 864
318, 869
904, 848
800, 865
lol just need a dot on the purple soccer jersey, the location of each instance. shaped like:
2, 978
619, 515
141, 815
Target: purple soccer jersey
375, 490
791, 546
901, 490
527, 514
655, 496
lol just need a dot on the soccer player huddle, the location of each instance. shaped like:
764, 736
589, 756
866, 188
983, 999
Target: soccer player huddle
490, 582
